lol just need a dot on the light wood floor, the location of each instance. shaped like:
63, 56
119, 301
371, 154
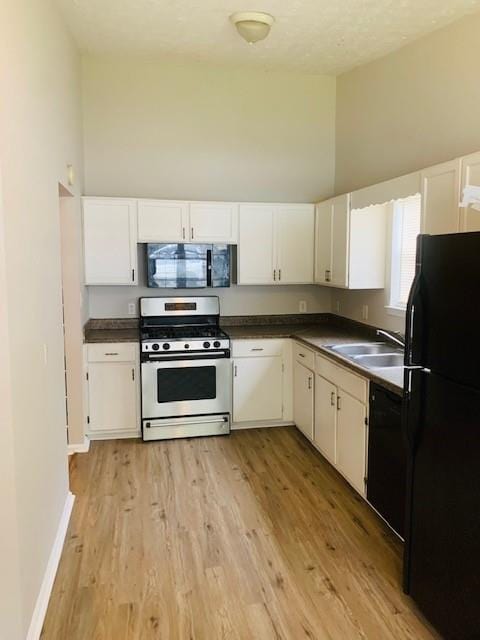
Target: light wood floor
251, 537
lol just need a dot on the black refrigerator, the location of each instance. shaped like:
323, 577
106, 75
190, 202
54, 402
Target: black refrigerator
441, 422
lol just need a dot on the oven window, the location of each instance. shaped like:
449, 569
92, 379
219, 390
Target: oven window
186, 383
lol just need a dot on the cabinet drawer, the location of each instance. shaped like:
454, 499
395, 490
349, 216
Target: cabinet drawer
258, 348
304, 355
349, 382
112, 352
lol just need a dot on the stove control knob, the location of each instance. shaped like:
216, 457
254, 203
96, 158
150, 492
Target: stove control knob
165, 346
206, 345
155, 347
186, 346
216, 344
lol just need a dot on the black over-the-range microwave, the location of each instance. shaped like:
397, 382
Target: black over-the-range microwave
188, 266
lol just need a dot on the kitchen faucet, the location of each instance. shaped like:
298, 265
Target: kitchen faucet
392, 336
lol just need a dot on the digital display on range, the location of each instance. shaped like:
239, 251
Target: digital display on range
180, 306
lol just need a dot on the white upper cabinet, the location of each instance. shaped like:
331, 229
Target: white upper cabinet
340, 241
276, 244
110, 241
440, 188
350, 245
470, 218
179, 221
215, 222
162, 221
295, 243
256, 254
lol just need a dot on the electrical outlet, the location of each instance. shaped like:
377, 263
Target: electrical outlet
131, 308
302, 306
337, 306
365, 312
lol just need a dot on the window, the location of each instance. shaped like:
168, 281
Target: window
405, 229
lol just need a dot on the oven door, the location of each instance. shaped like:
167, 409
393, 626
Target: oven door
189, 387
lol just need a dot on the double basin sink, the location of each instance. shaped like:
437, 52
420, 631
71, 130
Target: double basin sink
372, 355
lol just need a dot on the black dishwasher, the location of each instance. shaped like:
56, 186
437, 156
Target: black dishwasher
386, 478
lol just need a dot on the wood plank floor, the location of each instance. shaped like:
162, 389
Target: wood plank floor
249, 537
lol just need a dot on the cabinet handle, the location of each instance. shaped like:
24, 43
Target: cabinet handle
332, 398
235, 371
133, 374
279, 274
192, 234
274, 275
302, 355
338, 403
257, 349
183, 233
133, 275
327, 275
309, 382
112, 353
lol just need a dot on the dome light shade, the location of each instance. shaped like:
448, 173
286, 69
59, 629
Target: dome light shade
252, 26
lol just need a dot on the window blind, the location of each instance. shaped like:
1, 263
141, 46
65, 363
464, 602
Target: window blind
406, 230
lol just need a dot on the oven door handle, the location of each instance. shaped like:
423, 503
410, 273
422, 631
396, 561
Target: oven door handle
209, 355
182, 421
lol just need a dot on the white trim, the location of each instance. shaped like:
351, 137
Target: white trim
41, 605
115, 434
238, 426
79, 448
396, 311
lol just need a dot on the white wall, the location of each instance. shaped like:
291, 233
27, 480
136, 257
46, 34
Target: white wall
156, 129
40, 132
112, 302
411, 109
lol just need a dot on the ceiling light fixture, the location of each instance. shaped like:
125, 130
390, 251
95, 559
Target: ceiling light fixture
252, 25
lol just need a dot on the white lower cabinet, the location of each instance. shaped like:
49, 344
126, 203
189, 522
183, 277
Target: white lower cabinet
325, 417
113, 390
303, 399
351, 439
260, 381
335, 404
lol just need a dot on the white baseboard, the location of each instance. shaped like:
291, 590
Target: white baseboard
237, 426
79, 448
115, 435
41, 605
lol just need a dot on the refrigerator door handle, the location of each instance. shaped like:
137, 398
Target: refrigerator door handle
412, 405
414, 315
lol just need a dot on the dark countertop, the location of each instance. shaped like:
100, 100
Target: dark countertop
319, 337
316, 331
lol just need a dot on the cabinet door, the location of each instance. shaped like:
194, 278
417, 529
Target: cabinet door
303, 398
295, 230
162, 221
440, 198
325, 417
470, 218
257, 389
340, 240
112, 397
323, 244
213, 222
256, 253
351, 439
110, 240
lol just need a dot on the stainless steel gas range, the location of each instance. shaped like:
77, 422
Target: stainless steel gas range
186, 368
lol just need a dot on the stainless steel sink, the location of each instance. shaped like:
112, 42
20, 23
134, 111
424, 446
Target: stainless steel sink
380, 361
351, 350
